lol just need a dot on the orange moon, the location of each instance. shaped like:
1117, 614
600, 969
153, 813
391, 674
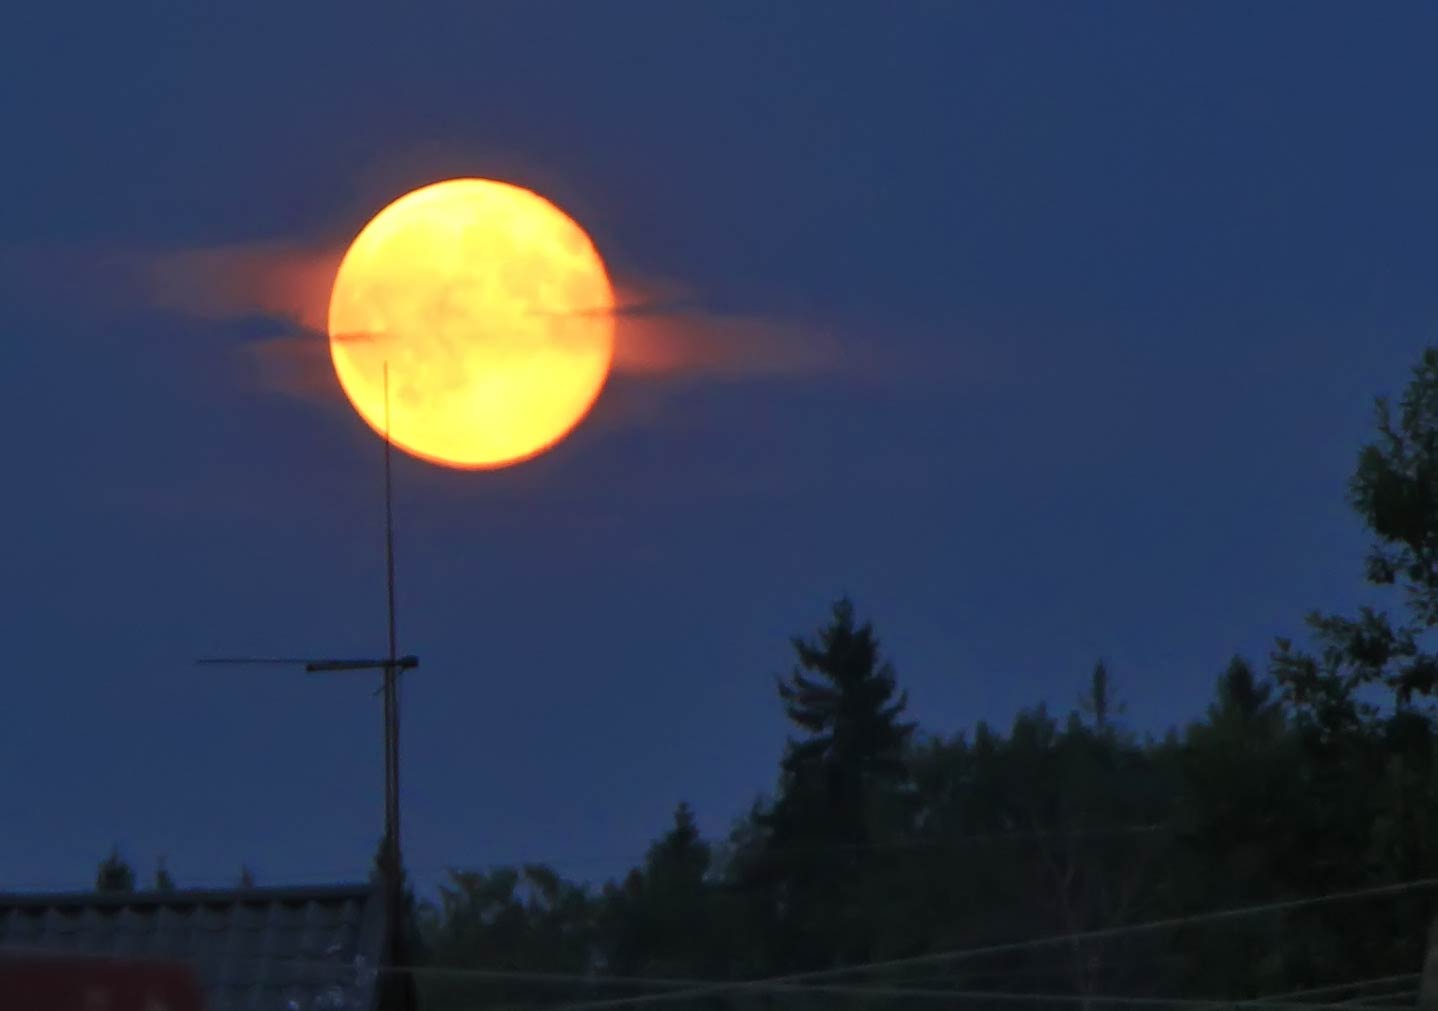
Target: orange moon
494, 313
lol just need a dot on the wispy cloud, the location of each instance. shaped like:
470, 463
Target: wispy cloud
662, 331
281, 280
667, 332
271, 300
295, 363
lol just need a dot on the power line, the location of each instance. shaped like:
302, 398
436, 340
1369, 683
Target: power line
1099, 934
1318, 991
342, 969
1395, 995
999, 996
703, 987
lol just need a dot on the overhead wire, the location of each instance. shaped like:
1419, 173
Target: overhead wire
1317, 991
962, 954
342, 969
677, 988
1370, 1000
977, 996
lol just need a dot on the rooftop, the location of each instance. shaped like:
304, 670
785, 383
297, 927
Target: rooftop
253, 949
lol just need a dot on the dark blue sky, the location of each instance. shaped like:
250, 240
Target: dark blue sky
1123, 280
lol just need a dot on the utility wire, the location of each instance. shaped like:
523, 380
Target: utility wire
807, 980
340, 969
1000, 996
964, 954
1396, 995
1319, 991
345, 969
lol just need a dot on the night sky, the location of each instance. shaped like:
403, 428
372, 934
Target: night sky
1047, 331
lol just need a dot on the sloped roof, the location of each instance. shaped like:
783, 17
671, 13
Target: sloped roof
255, 949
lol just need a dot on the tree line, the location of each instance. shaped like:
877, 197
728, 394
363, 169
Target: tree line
1313, 774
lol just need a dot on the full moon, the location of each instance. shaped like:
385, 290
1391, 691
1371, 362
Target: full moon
491, 309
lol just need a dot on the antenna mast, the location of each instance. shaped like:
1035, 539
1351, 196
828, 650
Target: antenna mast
391, 681
391, 865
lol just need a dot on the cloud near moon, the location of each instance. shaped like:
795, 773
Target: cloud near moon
662, 332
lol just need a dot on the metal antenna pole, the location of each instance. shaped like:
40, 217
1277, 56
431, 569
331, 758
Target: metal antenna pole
391, 672
399, 990
392, 862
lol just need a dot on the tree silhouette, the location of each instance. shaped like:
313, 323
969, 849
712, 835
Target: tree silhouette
659, 920
842, 693
838, 784
115, 874
1394, 489
1100, 701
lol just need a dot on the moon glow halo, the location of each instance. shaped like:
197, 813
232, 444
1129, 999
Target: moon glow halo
494, 313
